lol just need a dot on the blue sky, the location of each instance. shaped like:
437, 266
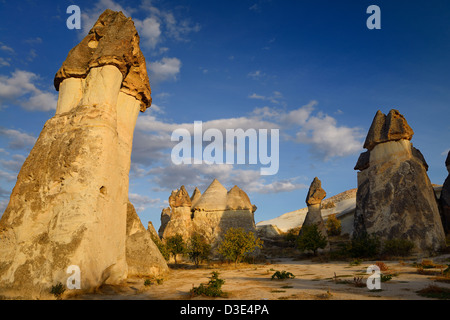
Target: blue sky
310, 68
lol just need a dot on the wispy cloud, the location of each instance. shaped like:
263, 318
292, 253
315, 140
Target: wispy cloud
164, 69
18, 139
20, 88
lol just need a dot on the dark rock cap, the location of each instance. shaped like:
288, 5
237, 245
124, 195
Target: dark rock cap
315, 194
113, 40
363, 161
392, 127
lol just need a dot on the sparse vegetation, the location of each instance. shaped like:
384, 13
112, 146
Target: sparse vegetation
364, 246
237, 244
58, 290
161, 247
334, 227
282, 275
398, 247
435, 292
198, 249
175, 245
311, 239
212, 289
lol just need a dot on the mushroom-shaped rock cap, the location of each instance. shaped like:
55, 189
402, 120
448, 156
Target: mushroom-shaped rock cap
213, 199
392, 127
180, 198
315, 194
237, 199
113, 40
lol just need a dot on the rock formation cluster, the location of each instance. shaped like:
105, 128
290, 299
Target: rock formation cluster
209, 214
395, 198
69, 205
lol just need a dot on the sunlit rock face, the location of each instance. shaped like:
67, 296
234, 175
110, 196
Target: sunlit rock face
395, 198
69, 205
209, 214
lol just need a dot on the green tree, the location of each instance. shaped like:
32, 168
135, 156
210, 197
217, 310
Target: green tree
237, 244
198, 249
334, 227
311, 238
175, 245
161, 246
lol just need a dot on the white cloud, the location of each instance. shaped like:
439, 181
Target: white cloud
4, 62
14, 164
20, 88
164, 69
6, 48
141, 202
149, 30
445, 153
274, 98
7, 176
18, 139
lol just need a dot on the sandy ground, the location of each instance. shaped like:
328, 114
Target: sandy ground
313, 281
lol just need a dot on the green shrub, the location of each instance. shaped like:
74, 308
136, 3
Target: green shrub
311, 238
237, 244
398, 247
334, 227
175, 245
281, 275
364, 246
212, 289
198, 249
147, 282
58, 290
161, 247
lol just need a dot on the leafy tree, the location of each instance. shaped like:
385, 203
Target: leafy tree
333, 226
175, 245
198, 249
237, 244
311, 238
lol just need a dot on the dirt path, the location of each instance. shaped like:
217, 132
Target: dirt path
312, 281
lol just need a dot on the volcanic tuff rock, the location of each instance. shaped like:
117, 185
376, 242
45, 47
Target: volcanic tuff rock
143, 256
445, 198
69, 205
211, 214
314, 201
395, 198
384, 128
315, 193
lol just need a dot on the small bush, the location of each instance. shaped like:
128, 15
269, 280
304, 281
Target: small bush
334, 227
147, 282
435, 292
364, 246
386, 277
311, 239
398, 247
58, 290
212, 289
282, 275
382, 266
161, 247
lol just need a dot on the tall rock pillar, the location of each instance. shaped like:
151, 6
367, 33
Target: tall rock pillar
395, 198
69, 205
